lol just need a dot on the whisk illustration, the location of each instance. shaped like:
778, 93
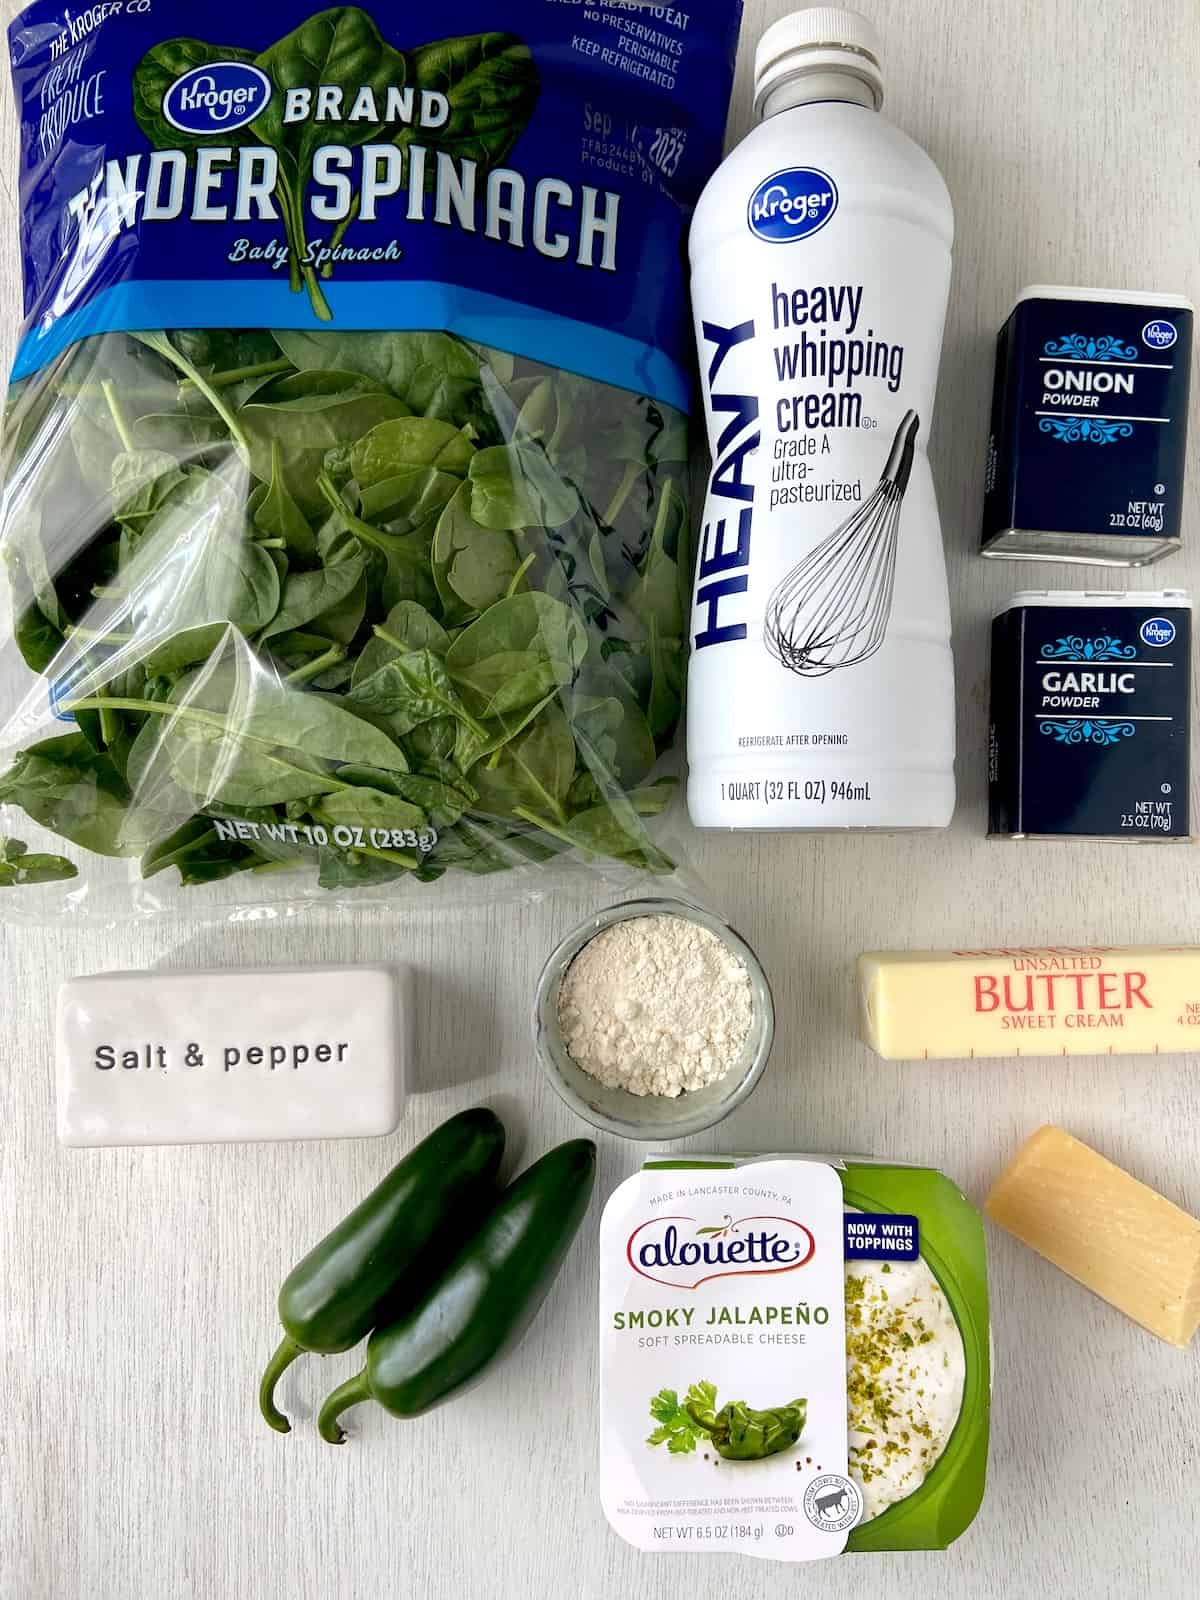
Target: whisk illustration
832, 610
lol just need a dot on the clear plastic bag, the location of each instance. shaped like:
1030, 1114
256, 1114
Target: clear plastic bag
345, 515
361, 609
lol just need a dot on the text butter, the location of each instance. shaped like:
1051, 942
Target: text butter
947, 1005
229, 1056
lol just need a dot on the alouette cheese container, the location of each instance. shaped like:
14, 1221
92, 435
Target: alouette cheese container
794, 1357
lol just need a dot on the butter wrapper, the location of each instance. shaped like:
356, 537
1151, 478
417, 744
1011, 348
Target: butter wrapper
1061, 1001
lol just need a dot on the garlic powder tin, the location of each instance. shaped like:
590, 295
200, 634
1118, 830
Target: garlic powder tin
794, 1357
1090, 722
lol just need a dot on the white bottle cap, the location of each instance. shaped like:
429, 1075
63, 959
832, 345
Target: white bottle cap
821, 39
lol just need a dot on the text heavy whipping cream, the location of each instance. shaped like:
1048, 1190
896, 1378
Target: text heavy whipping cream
821, 682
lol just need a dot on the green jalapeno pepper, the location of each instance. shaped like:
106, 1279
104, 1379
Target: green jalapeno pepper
333, 1298
485, 1298
739, 1433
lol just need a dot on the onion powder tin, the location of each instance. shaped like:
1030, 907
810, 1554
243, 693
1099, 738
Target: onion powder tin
1086, 449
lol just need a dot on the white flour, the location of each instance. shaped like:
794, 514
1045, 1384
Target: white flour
656, 1005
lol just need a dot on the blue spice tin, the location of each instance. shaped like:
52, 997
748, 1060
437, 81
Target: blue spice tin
1090, 716
1089, 427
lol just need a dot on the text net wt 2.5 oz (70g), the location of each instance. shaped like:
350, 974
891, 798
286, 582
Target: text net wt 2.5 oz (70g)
345, 519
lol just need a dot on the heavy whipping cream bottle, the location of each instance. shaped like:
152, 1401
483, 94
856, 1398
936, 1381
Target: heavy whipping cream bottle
821, 690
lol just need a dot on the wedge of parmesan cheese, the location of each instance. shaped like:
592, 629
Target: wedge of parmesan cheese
1111, 1233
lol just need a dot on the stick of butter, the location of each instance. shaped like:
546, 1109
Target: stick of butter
231, 1055
1072, 1001
1106, 1230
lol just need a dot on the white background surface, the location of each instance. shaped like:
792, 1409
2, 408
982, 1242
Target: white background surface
137, 1286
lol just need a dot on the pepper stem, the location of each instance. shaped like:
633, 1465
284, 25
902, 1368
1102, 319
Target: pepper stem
351, 1393
287, 1352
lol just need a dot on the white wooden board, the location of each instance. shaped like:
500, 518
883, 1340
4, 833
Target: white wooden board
137, 1286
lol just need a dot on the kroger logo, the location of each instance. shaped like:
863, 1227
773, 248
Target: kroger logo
217, 98
1157, 632
673, 1250
792, 204
1159, 335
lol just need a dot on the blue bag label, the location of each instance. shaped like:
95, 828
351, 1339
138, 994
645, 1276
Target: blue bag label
881, 1236
272, 166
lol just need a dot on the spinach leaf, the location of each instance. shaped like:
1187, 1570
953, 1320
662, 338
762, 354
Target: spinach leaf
442, 802
668, 665
18, 866
408, 627
435, 374
143, 483
369, 869
516, 487
195, 565
367, 808
76, 792
482, 848
332, 598
38, 641
533, 773
431, 749
492, 85
520, 648
339, 47
468, 746
199, 852
411, 689
408, 443
275, 513
615, 829
658, 592
403, 558
614, 736
295, 421
269, 745
473, 566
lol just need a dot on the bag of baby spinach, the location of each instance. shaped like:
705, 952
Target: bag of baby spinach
345, 516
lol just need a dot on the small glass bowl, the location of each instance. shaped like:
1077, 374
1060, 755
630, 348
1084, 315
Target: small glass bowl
653, 1116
